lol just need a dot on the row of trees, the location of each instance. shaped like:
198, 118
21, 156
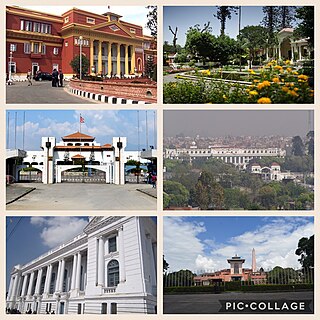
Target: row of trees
251, 41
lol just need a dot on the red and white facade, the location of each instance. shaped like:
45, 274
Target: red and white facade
42, 42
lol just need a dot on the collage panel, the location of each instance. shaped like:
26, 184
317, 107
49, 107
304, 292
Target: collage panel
88, 54
238, 160
81, 160
238, 54
81, 265
238, 265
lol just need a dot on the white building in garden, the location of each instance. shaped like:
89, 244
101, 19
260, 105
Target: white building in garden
76, 158
109, 268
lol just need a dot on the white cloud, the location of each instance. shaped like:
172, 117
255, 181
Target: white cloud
56, 230
275, 243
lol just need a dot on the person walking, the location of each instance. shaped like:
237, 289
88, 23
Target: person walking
54, 77
60, 78
29, 77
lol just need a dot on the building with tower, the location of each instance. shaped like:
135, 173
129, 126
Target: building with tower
236, 272
111, 267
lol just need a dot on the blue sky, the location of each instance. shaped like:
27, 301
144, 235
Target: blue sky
205, 243
102, 124
187, 16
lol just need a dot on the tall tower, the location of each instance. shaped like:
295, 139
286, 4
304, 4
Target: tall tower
254, 263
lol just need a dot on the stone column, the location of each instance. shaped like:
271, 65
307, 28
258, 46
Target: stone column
91, 53
48, 279
109, 58
133, 59
101, 262
78, 276
14, 288
121, 255
300, 53
10, 287
279, 48
99, 58
24, 285
30, 284
61, 275
74, 269
126, 60
118, 59
58, 277
37, 291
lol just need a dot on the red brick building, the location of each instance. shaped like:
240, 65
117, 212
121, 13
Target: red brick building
41, 41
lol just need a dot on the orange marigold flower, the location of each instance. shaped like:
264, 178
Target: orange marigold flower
263, 84
292, 93
253, 93
285, 89
264, 100
289, 69
303, 77
276, 80
277, 67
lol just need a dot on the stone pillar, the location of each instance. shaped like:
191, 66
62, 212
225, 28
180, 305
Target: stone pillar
30, 284
91, 53
61, 275
118, 60
74, 269
78, 276
109, 58
300, 54
279, 53
58, 277
121, 255
133, 59
37, 291
101, 262
24, 285
14, 288
99, 58
48, 279
10, 287
126, 60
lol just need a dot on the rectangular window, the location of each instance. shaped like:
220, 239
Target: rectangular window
79, 308
66, 19
112, 243
26, 47
103, 308
132, 30
55, 51
113, 308
44, 49
22, 25
36, 27
91, 20
36, 47
28, 26
13, 47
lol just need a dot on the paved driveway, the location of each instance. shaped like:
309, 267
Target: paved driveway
209, 303
41, 92
80, 196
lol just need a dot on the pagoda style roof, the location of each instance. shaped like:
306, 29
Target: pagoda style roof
78, 136
78, 156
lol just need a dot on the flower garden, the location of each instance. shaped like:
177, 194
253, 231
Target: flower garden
274, 82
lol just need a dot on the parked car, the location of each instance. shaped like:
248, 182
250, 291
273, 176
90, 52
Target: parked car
43, 76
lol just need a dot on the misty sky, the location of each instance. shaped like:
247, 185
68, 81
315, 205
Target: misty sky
212, 123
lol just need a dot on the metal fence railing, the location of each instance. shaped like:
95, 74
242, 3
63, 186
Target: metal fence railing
275, 276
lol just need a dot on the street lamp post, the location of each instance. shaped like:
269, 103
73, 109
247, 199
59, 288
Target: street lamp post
80, 43
10, 71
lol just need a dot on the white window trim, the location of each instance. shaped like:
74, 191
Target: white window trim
91, 20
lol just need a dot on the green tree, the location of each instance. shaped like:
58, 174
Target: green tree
297, 146
178, 195
165, 264
152, 23
267, 196
305, 27
306, 252
181, 278
207, 193
270, 22
75, 64
310, 143
224, 13
286, 16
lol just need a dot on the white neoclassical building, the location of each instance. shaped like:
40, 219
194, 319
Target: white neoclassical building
109, 268
76, 158
240, 157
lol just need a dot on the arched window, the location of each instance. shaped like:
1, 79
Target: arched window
113, 273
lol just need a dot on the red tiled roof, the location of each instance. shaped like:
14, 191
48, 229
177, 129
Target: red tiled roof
78, 136
78, 156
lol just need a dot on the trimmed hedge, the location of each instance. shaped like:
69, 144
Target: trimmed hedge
278, 287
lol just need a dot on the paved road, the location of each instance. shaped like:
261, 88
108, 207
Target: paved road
79, 196
209, 303
41, 92
171, 77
